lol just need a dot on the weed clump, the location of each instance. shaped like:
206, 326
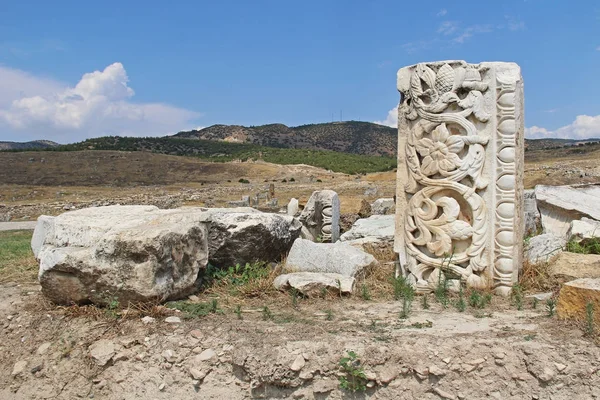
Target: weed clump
354, 378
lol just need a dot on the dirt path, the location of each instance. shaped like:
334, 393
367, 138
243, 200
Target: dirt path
436, 353
17, 226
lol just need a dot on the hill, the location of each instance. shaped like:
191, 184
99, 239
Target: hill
35, 144
347, 137
221, 151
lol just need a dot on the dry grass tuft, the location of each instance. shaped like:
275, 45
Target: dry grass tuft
537, 277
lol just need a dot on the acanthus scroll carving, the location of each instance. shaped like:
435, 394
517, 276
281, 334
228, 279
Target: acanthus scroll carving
448, 116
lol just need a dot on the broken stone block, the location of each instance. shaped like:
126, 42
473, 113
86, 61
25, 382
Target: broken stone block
312, 284
559, 205
339, 258
321, 217
570, 266
575, 295
383, 206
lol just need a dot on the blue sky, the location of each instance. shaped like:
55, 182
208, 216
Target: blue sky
73, 69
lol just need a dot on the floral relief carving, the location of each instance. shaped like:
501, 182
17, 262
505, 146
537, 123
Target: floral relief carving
445, 114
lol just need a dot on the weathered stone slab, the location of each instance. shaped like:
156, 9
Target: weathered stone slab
238, 236
292, 207
575, 295
544, 248
321, 217
571, 266
123, 253
339, 258
377, 227
312, 284
460, 172
383, 206
584, 228
559, 205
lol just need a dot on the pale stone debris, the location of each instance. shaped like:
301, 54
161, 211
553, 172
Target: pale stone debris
459, 194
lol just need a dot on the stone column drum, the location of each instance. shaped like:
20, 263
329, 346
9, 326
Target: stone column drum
459, 193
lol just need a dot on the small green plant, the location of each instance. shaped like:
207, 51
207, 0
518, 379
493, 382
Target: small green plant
294, 294
585, 246
425, 302
354, 378
195, 310
267, 314
461, 305
242, 180
318, 180
441, 290
238, 311
214, 306
241, 274
589, 318
329, 315
407, 300
530, 337
292, 180
422, 325
284, 180
551, 307
535, 303
479, 300
365, 293
517, 296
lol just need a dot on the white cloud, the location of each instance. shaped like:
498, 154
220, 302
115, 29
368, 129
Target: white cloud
470, 31
441, 13
598, 48
100, 104
584, 127
392, 118
514, 23
447, 28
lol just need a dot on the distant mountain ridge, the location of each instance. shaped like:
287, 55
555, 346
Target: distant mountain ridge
355, 137
34, 144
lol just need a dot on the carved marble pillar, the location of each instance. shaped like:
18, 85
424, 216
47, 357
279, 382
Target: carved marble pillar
459, 207
321, 217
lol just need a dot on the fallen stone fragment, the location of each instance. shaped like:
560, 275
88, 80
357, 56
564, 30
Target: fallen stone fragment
246, 235
19, 368
383, 206
377, 227
148, 320
102, 351
339, 258
560, 367
169, 356
570, 266
43, 349
298, 363
544, 248
173, 320
575, 295
120, 253
312, 284
559, 205
584, 228
434, 370
198, 374
206, 355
